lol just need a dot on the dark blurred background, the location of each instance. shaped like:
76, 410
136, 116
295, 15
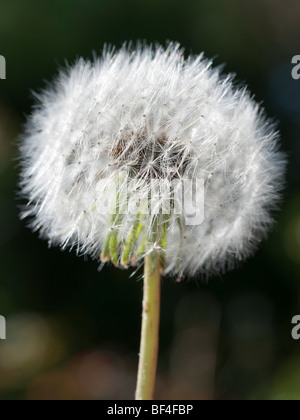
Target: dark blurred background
73, 332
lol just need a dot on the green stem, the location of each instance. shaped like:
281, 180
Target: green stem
150, 329
113, 245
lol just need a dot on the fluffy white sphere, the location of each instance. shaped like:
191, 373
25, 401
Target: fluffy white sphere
150, 116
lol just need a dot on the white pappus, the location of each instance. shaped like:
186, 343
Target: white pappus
141, 117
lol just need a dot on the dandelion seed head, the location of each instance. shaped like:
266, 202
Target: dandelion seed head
140, 119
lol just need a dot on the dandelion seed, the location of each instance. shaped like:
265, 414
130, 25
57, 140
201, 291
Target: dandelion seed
136, 119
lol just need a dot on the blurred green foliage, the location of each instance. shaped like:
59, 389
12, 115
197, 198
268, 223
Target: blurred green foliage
73, 332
